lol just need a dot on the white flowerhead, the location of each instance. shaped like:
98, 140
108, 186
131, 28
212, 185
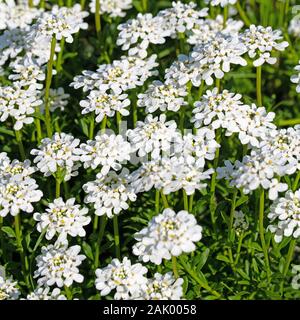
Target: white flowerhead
284, 216
17, 189
114, 8
18, 103
58, 99
46, 294
261, 42
105, 104
107, 151
110, 193
8, 289
162, 287
58, 155
168, 234
163, 97
294, 27
58, 264
63, 218
122, 276
255, 170
240, 223
155, 137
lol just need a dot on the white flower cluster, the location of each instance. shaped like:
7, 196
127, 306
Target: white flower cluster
222, 3
207, 29
17, 189
240, 223
296, 78
105, 104
58, 99
225, 110
18, 103
58, 156
167, 234
114, 8
58, 264
107, 151
130, 283
261, 42
60, 23
15, 15
163, 97
207, 60
110, 193
122, 276
63, 218
46, 294
162, 287
8, 289
154, 136
296, 278
285, 216
121, 75
254, 171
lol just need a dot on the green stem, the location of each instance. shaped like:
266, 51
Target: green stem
18, 134
174, 267
232, 211
39, 134
68, 293
82, 4
57, 188
103, 124
134, 114
200, 90
258, 86
181, 121
95, 223
240, 242
262, 232
97, 17
103, 221
47, 87
213, 204
60, 56
24, 260
296, 182
288, 261
164, 200
225, 16
145, 5
290, 122
30, 3
185, 200
119, 120
157, 201
117, 237
191, 202
92, 127
243, 14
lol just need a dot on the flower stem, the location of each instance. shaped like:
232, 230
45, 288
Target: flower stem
258, 86
30, 3
174, 266
185, 200
213, 204
82, 4
232, 211
243, 14
290, 122
164, 200
191, 202
103, 124
24, 260
68, 293
145, 5
225, 16
262, 232
92, 127
57, 188
288, 260
47, 88
157, 201
117, 237
296, 182
39, 134
103, 221
18, 134
97, 17
119, 119
60, 56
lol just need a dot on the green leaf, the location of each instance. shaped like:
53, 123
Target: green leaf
203, 259
221, 257
87, 250
9, 231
